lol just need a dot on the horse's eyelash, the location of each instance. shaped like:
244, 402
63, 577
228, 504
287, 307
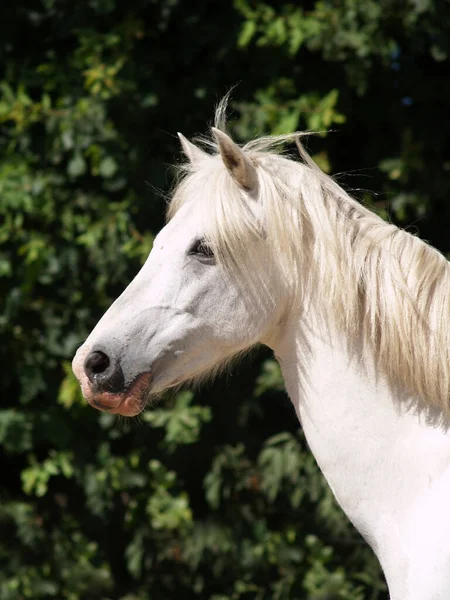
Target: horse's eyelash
200, 246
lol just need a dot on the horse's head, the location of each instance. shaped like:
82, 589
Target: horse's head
190, 307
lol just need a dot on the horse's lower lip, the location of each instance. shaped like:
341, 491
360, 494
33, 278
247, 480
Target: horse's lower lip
101, 406
129, 403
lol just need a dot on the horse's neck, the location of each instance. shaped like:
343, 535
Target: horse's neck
387, 464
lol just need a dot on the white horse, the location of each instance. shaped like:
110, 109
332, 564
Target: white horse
261, 248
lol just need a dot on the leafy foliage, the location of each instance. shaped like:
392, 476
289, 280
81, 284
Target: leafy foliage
214, 495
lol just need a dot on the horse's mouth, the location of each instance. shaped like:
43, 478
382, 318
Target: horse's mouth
128, 404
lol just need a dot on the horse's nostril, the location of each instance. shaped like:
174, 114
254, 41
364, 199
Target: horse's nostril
104, 373
95, 363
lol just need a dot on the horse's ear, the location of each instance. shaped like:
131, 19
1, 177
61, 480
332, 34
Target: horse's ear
238, 164
194, 154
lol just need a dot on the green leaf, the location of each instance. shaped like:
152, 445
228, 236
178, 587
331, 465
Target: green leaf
108, 167
76, 166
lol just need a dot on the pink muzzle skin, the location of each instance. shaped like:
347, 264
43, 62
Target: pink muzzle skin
128, 404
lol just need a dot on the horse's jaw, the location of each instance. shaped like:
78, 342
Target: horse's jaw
386, 463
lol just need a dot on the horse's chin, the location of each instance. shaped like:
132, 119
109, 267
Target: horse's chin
128, 404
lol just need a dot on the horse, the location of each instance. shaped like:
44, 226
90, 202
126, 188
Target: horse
262, 248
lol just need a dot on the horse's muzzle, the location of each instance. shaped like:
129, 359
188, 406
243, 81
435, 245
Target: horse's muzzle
102, 383
104, 373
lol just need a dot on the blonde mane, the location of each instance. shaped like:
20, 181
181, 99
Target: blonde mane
382, 286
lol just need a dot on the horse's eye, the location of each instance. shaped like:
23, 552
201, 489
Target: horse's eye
201, 248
